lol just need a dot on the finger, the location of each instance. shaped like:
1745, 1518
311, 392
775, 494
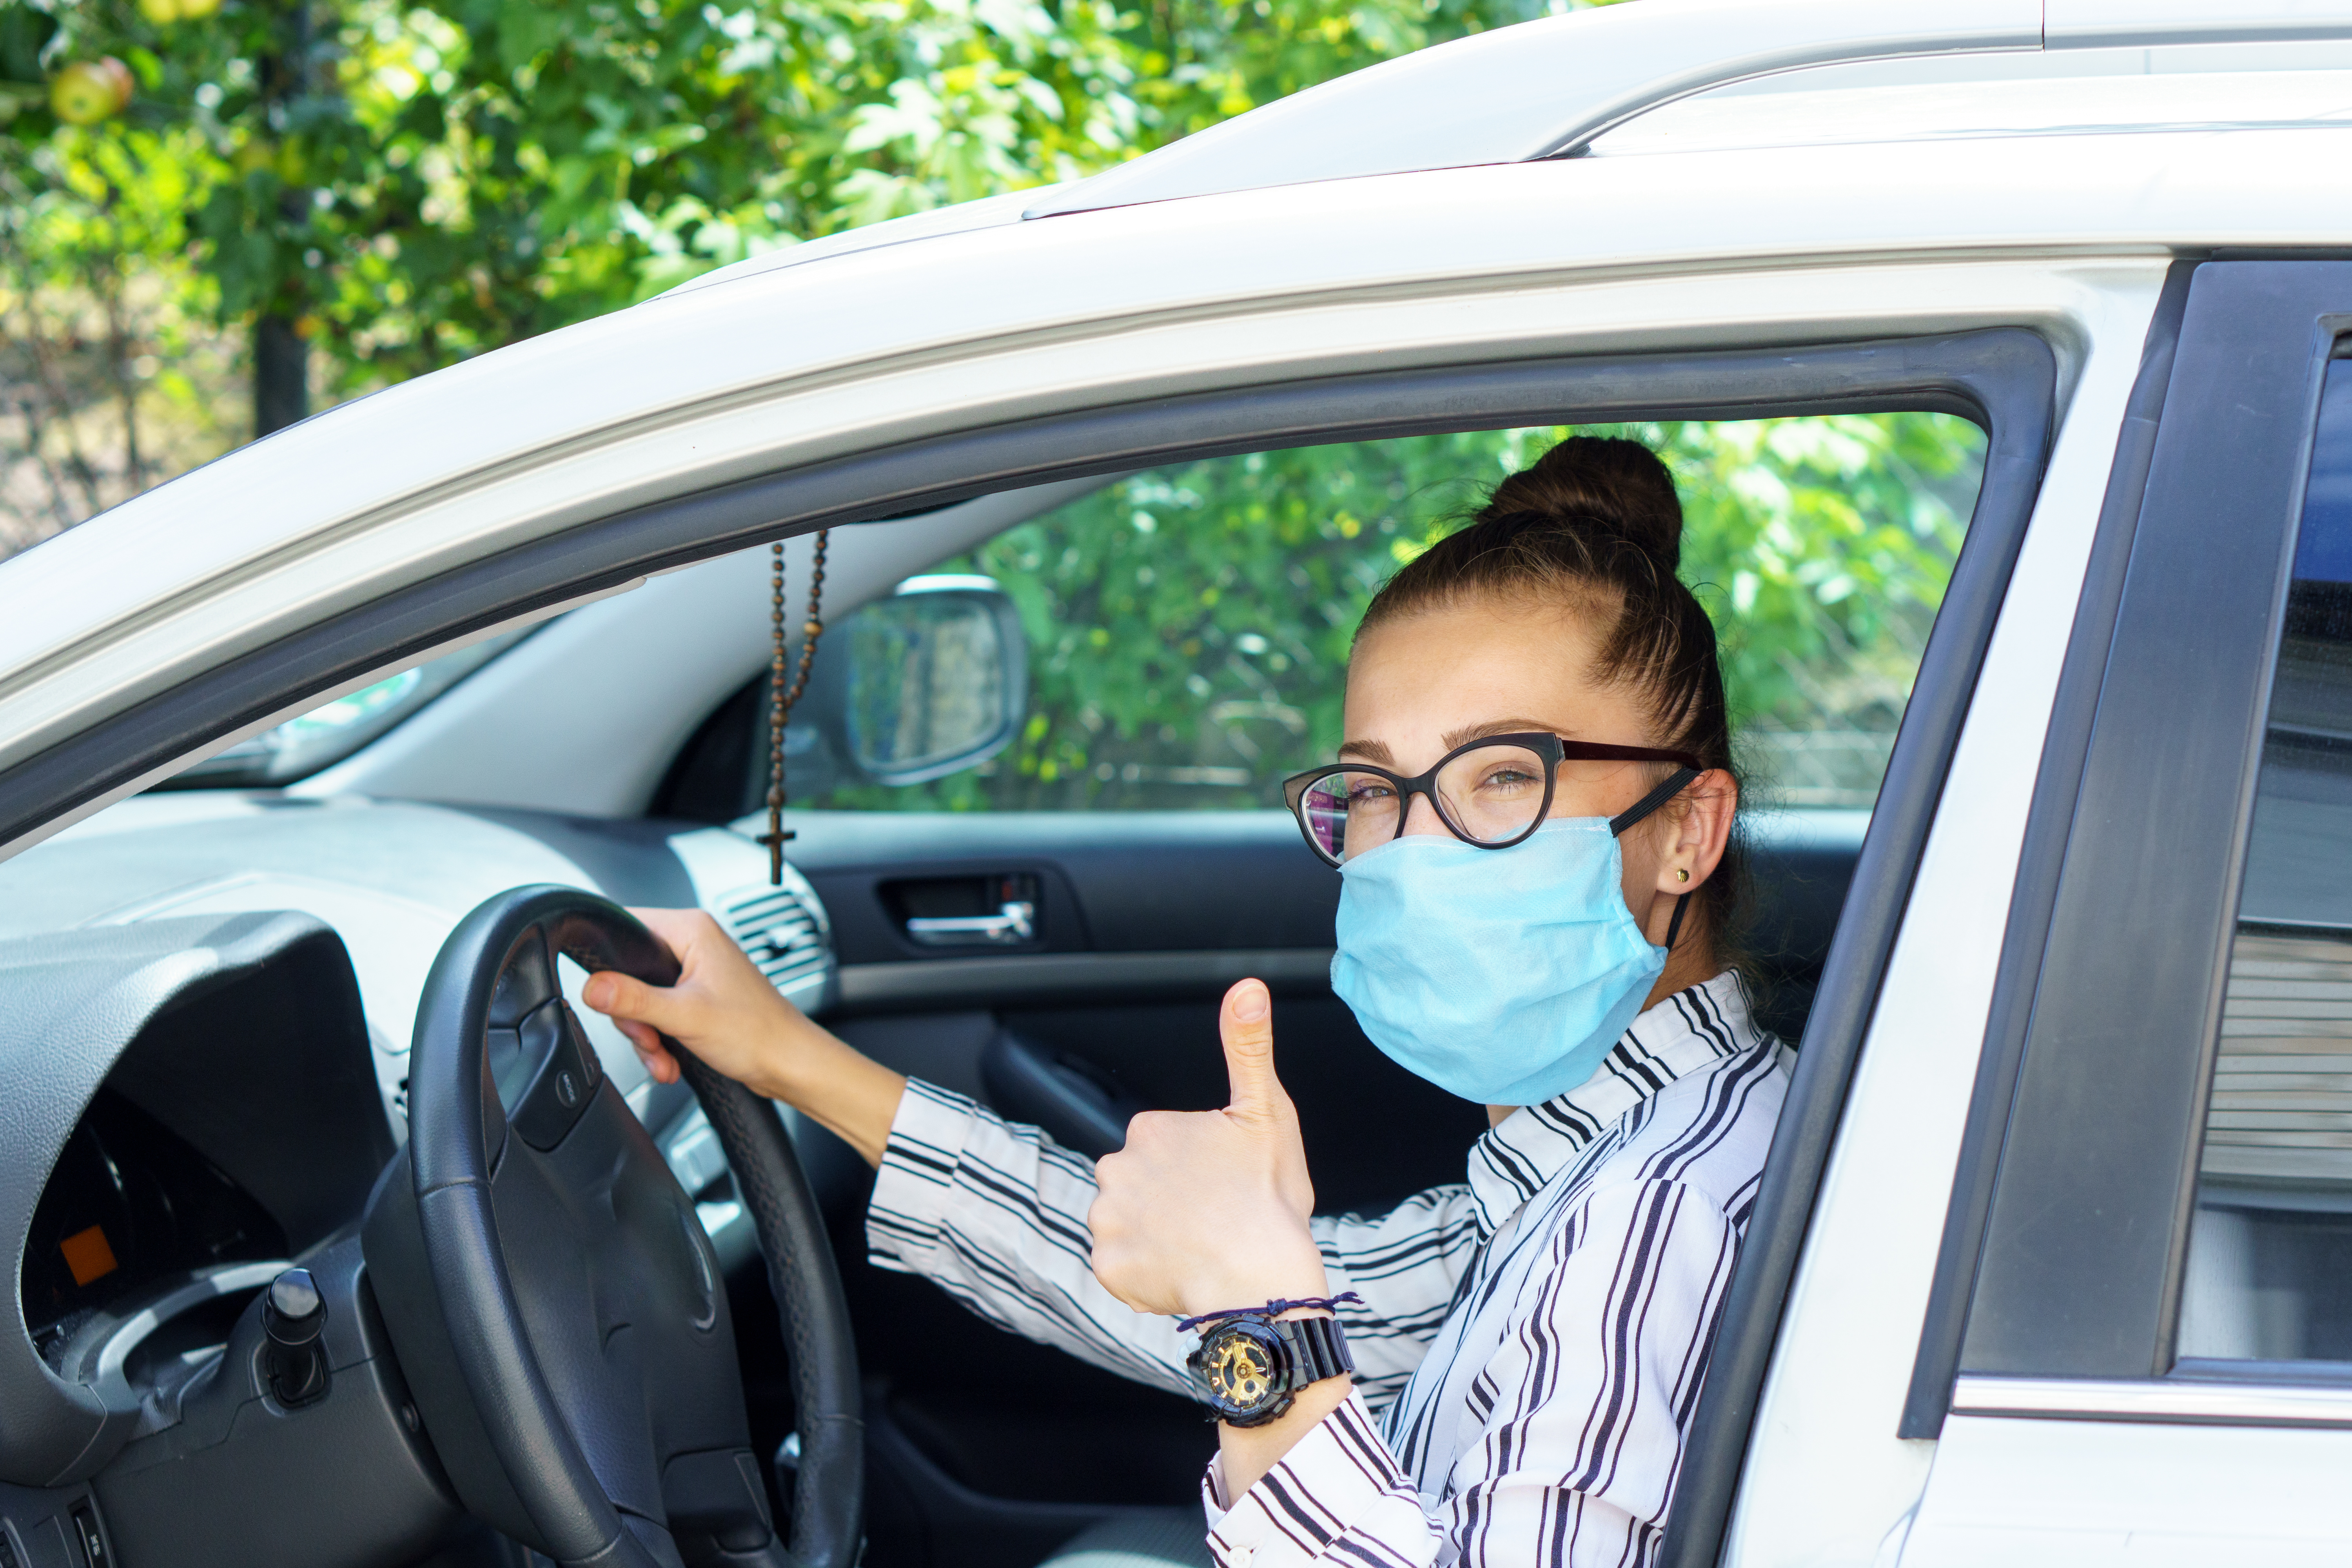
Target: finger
1246, 1022
626, 999
650, 1049
679, 929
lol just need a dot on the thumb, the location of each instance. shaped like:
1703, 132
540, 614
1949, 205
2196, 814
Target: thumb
627, 999
1246, 1022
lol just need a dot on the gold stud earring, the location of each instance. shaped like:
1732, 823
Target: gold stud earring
1681, 875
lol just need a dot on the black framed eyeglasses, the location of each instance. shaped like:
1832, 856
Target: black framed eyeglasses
1493, 793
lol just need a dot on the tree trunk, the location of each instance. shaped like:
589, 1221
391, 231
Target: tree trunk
281, 375
281, 360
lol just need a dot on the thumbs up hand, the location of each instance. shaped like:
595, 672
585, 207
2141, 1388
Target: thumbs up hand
1206, 1210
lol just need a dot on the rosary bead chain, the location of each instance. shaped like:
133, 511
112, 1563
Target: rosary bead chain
781, 699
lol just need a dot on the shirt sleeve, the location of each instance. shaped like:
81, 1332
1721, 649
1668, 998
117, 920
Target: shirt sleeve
1406, 1264
996, 1214
1580, 1414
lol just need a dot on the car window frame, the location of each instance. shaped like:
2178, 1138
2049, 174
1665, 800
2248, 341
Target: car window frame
1943, 373
2057, 1290
2005, 378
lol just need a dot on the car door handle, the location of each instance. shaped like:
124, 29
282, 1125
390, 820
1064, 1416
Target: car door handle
1015, 921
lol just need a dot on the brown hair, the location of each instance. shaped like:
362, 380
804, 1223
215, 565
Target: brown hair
1596, 524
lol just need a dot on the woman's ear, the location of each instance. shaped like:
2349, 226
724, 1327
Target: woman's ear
1697, 836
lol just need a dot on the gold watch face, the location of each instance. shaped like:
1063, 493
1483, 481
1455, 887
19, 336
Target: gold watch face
1237, 1371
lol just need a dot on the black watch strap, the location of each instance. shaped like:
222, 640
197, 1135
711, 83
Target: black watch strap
1318, 1350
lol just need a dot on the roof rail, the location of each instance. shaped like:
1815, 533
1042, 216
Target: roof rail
1546, 88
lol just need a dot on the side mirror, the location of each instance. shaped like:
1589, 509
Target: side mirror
924, 683
939, 679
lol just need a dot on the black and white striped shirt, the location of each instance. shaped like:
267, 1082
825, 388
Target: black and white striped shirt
1530, 1343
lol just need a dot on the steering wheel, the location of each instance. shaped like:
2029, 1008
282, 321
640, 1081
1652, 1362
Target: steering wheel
555, 1304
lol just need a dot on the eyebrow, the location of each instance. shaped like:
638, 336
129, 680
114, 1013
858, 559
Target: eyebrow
1470, 733
1378, 752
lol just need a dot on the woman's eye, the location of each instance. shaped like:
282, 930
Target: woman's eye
1369, 792
1510, 778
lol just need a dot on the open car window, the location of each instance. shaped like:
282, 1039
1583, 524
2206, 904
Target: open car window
1188, 628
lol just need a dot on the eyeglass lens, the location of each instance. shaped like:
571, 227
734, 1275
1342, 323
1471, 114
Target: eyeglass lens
1490, 794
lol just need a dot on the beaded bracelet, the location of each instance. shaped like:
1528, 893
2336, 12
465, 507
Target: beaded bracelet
1273, 1309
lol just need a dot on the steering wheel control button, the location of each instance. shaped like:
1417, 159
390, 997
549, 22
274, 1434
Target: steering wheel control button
565, 1080
293, 1315
89, 1538
706, 1281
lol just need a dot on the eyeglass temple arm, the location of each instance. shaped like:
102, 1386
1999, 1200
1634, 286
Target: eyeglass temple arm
1673, 785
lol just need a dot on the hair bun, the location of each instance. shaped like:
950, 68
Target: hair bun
1601, 485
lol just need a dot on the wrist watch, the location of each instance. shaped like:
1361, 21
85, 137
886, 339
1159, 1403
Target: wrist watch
1249, 1369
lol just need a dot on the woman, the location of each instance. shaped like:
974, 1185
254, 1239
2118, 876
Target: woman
1533, 819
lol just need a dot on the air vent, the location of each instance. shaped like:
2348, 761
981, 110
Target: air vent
782, 931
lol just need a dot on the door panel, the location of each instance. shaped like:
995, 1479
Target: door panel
2076, 1434
1002, 1447
2092, 1494
1111, 882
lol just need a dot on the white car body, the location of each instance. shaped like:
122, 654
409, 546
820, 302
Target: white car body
2016, 206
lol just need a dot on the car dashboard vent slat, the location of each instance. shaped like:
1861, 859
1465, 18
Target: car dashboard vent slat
781, 931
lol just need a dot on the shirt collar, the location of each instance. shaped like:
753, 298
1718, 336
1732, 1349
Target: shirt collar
1689, 1029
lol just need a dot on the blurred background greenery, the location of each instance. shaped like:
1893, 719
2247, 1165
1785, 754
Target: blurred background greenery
1189, 626
218, 215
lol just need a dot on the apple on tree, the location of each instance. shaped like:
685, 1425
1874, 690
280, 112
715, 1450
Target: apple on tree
87, 92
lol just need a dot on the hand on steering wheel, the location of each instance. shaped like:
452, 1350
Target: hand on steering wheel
556, 1307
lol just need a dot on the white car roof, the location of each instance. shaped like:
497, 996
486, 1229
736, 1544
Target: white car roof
2234, 87
1547, 88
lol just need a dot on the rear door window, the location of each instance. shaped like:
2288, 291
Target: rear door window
2270, 1257
1189, 626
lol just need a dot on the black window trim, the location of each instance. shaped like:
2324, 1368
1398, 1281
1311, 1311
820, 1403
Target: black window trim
2003, 378
2078, 1173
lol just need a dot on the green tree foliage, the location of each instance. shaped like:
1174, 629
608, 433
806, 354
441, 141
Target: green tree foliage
1189, 626
416, 183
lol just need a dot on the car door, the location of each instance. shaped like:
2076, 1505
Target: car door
2141, 1345
1149, 875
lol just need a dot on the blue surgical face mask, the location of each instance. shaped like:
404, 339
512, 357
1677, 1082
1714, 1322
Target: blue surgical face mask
1502, 975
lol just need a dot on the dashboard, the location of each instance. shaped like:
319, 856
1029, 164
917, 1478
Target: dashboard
205, 1005
391, 878
128, 1204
